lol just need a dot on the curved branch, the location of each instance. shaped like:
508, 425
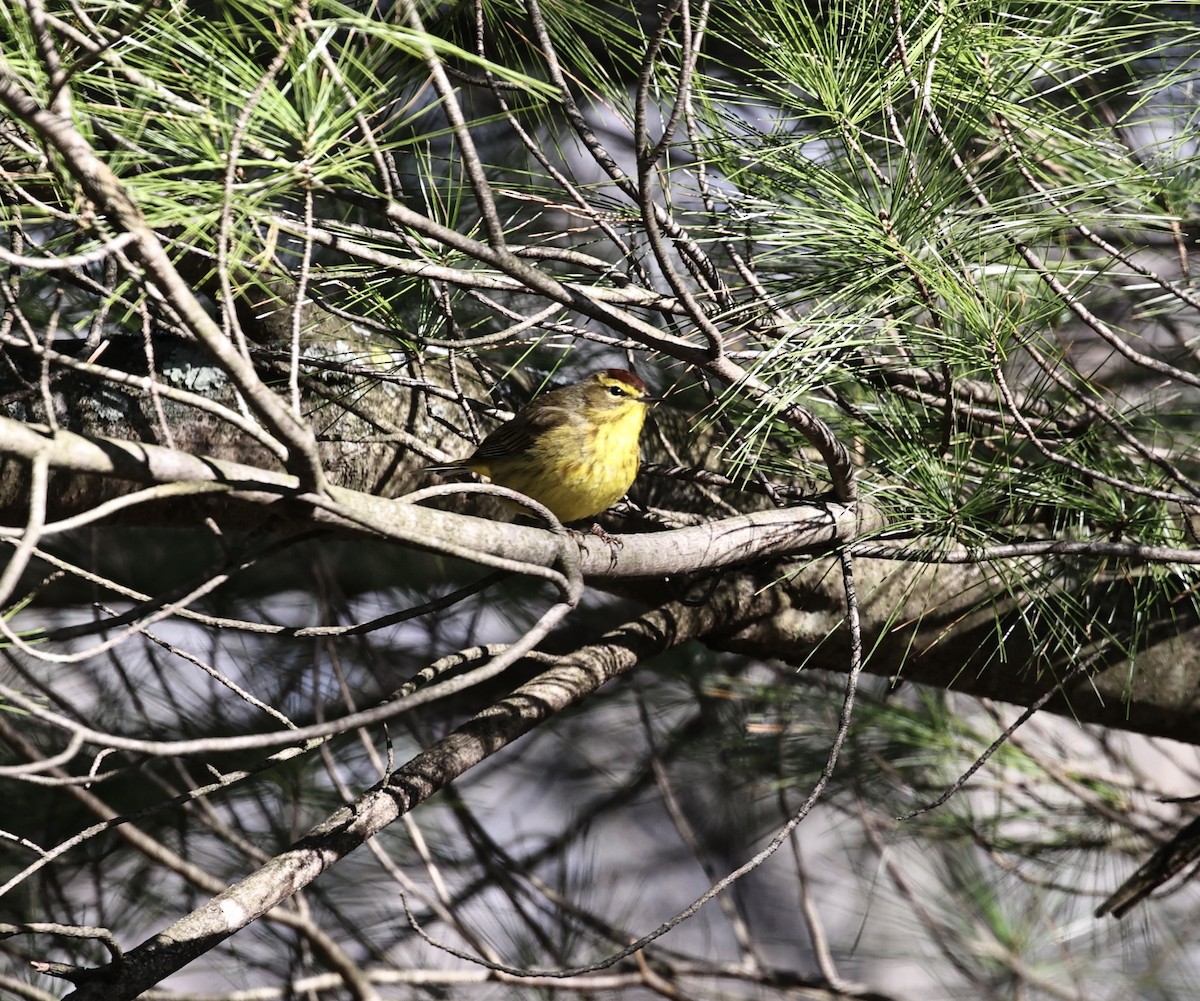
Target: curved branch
107, 190
729, 542
578, 676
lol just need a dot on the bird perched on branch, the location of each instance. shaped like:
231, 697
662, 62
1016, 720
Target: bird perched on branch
573, 449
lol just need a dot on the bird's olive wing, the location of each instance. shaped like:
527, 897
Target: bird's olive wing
519, 434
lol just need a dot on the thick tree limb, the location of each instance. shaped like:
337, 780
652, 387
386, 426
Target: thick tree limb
755, 536
965, 629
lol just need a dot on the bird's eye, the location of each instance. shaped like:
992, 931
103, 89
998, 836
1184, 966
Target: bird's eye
617, 390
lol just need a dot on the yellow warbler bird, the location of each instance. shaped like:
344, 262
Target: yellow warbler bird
574, 449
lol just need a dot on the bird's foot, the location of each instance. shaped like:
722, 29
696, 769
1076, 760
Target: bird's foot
614, 542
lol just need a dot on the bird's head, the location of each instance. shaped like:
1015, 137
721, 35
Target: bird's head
617, 390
